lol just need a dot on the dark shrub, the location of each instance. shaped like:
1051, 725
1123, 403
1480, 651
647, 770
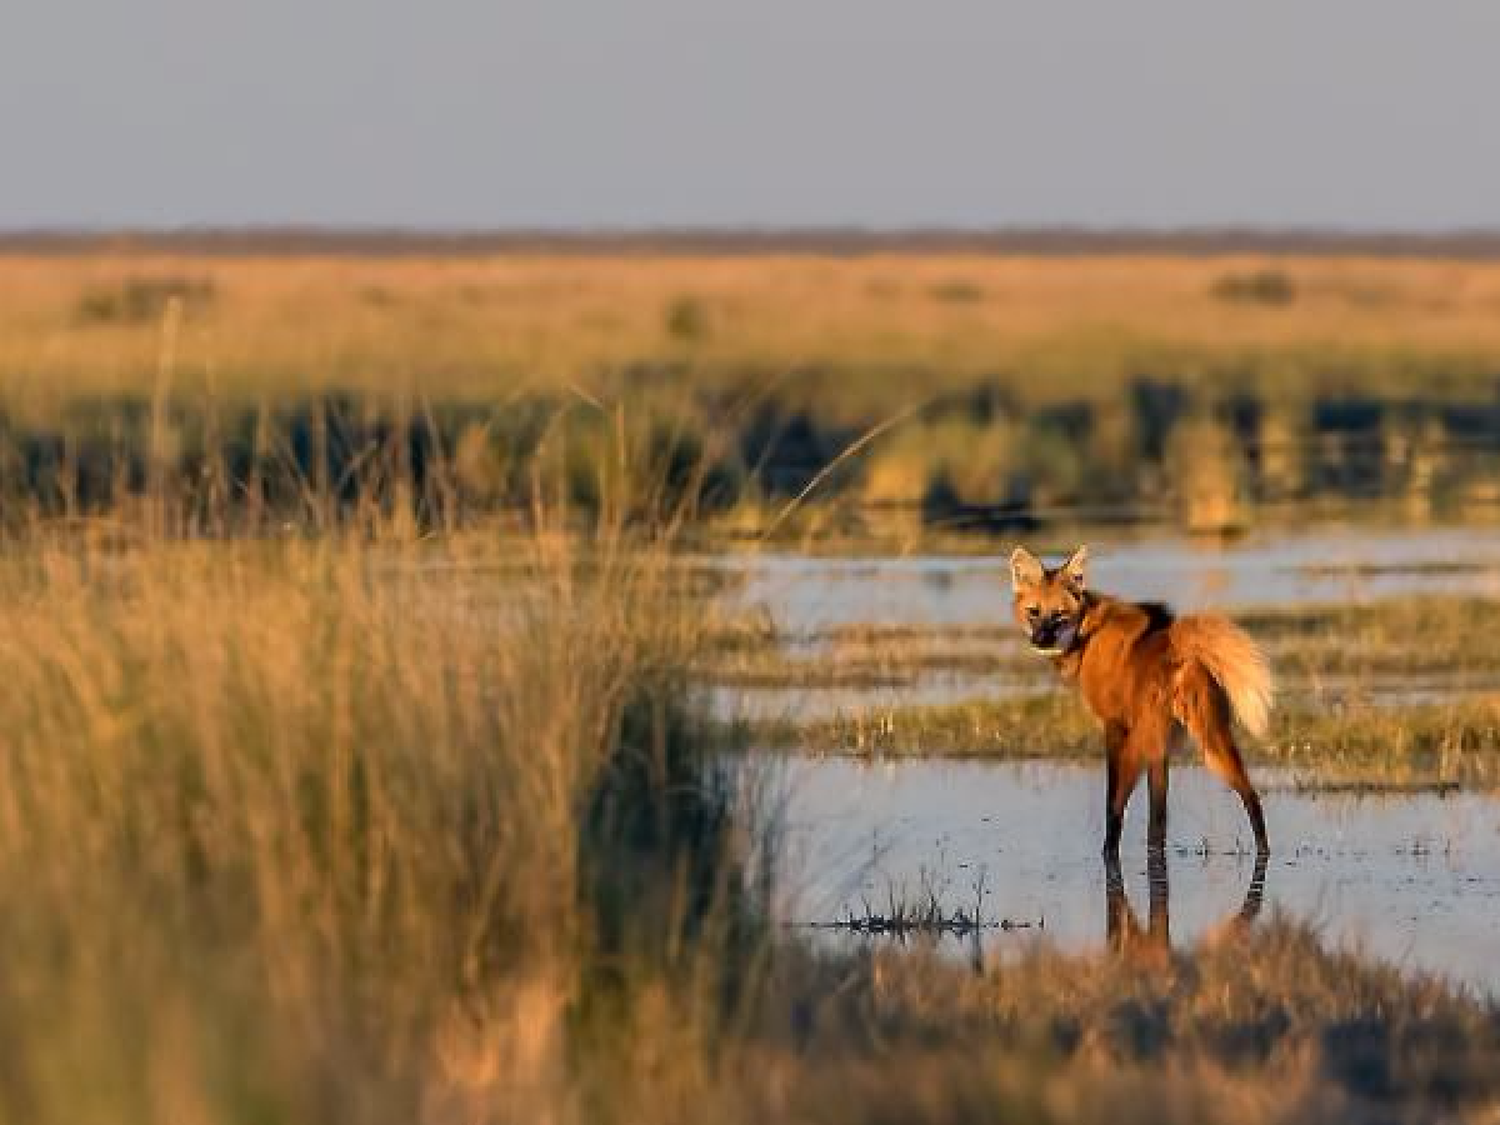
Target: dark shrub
140, 300
687, 319
1257, 287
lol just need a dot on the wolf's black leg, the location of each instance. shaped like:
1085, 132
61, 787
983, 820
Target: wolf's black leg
1115, 736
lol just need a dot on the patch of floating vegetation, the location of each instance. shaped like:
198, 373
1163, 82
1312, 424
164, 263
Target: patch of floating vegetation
1449, 744
924, 914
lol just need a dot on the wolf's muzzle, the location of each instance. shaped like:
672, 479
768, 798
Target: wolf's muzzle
1053, 638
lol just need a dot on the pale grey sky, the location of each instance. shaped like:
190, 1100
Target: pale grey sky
457, 113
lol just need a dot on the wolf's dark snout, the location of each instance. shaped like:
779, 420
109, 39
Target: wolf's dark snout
1052, 631
1054, 635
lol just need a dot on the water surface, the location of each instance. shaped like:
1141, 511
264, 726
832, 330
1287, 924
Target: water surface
1411, 879
805, 594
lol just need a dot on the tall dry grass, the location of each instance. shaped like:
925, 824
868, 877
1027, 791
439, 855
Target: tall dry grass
338, 831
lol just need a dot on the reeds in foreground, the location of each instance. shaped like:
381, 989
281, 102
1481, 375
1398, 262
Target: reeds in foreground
327, 831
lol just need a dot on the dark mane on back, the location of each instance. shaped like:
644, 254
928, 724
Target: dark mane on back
1158, 615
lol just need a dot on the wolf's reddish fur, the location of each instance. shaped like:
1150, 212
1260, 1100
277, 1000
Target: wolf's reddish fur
1148, 677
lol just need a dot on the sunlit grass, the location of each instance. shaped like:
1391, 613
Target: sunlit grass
1256, 1026
1453, 742
465, 329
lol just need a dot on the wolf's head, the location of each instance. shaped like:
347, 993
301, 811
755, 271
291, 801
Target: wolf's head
1049, 603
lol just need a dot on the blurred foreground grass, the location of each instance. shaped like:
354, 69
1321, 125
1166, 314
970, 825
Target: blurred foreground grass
314, 832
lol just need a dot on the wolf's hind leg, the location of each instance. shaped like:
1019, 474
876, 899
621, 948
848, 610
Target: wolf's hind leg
1222, 757
1204, 710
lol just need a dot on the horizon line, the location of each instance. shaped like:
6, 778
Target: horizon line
1224, 239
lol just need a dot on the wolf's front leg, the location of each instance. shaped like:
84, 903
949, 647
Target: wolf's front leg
1119, 779
1156, 830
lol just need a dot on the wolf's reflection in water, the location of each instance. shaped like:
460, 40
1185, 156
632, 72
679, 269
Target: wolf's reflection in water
1409, 879
1151, 945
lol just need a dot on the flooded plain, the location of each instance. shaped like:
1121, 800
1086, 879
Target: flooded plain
1412, 879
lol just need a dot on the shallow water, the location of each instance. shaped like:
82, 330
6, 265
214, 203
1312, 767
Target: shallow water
1411, 879
804, 594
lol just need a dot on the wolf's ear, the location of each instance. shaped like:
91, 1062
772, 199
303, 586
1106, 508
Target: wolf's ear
1072, 570
1025, 568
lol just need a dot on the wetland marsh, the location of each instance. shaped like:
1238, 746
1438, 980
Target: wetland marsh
465, 690
926, 757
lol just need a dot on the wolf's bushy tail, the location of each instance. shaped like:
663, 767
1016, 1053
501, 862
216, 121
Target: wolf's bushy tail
1235, 662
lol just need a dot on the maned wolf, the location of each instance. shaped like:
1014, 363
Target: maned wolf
1147, 676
